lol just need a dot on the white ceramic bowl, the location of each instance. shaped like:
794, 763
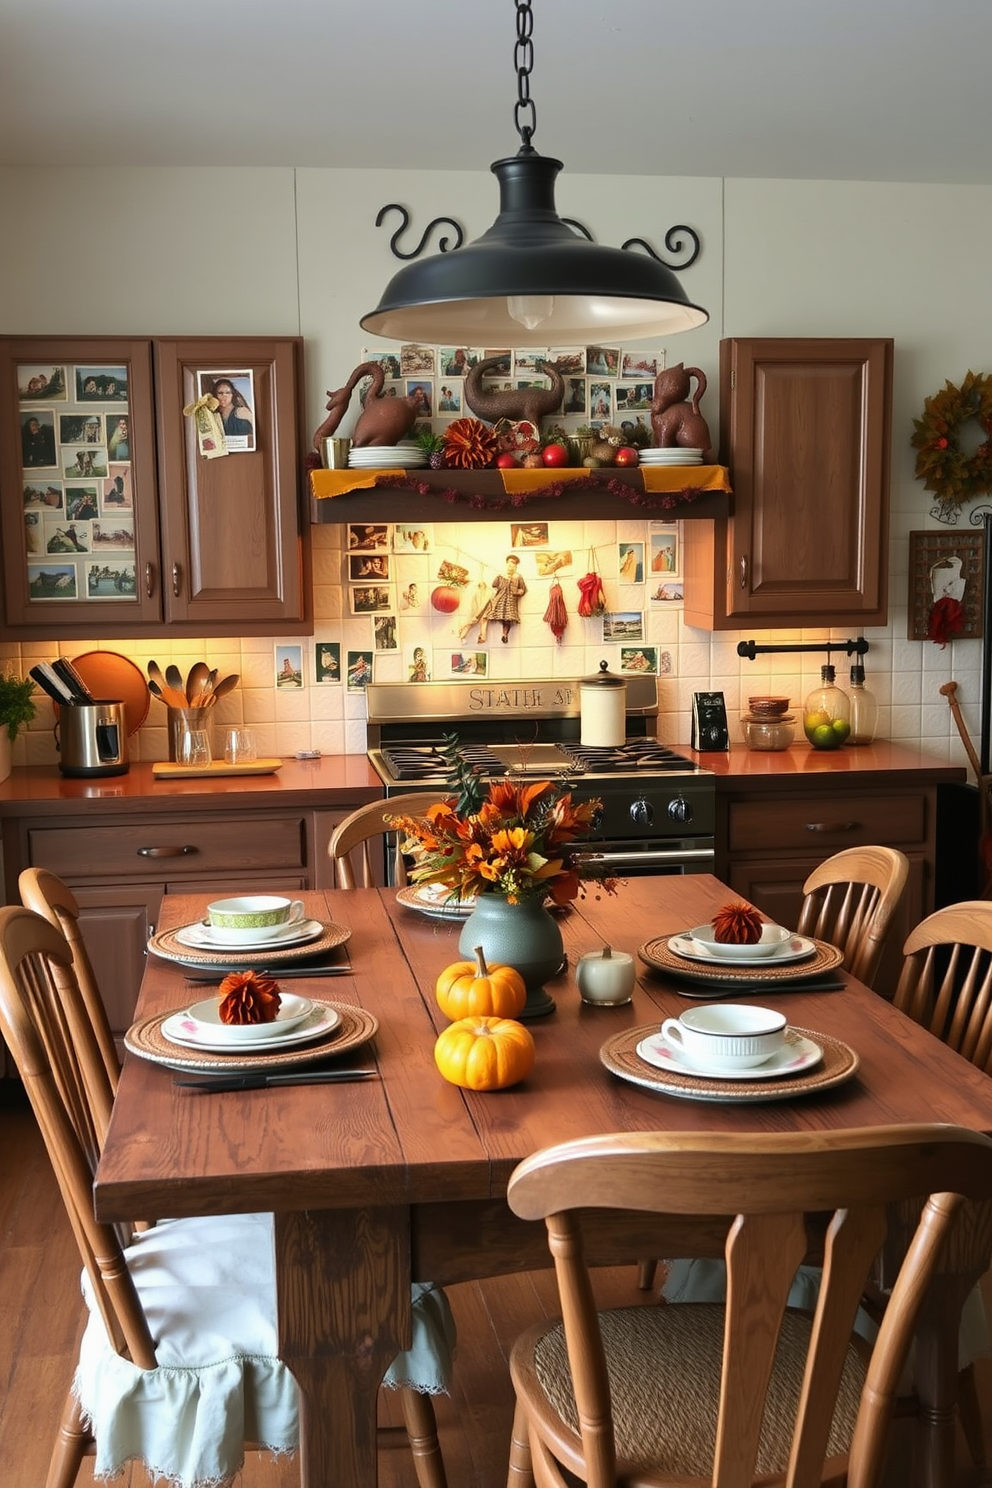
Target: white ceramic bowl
206, 1016
774, 938
726, 1035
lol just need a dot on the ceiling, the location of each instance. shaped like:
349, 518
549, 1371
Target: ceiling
893, 90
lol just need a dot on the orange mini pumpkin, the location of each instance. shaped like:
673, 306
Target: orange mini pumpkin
738, 924
484, 1053
467, 988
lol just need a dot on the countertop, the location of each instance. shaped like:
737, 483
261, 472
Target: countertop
348, 780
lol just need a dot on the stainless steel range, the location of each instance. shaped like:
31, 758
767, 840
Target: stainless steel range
658, 807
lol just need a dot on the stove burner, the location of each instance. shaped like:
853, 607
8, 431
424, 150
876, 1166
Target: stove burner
426, 762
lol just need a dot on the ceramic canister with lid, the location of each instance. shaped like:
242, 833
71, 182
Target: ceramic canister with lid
603, 710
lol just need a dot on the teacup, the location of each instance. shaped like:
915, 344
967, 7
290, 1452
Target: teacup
727, 1035
253, 916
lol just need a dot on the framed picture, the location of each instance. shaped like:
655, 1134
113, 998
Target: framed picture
327, 663
665, 550
946, 565
235, 394
289, 667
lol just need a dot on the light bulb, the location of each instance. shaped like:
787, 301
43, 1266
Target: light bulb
530, 310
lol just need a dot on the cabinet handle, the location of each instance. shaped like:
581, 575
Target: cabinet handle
166, 852
176, 577
848, 826
149, 580
743, 570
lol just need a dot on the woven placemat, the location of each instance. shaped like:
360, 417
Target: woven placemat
620, 1056
355, 1027
166, 943
656, 954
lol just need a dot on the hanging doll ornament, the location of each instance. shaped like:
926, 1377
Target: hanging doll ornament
947, 617
556, 615
508, 588
593, 600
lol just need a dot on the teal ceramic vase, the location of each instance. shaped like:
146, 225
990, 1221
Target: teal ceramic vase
523, 936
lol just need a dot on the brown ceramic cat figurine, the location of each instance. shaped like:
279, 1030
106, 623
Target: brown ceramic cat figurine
676, 422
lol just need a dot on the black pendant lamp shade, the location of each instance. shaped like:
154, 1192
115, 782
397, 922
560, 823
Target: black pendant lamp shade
532, 281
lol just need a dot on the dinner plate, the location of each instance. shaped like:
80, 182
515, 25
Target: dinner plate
796, 948
166, 943
354, 1027
203, 936
207, 1023
839, 1063
741, 975
426, 901
796, 1054
187, 1033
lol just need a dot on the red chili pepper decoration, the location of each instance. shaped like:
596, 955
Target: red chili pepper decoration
593, 601
946, 620
556, 615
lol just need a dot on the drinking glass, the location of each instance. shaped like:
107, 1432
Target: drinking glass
194, 747
239, 746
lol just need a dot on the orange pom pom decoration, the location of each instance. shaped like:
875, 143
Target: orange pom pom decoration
469, 444
737, 924
246, 997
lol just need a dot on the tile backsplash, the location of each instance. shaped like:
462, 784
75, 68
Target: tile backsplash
280, 696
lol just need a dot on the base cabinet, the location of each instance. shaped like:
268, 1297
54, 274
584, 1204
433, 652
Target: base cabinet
768, 845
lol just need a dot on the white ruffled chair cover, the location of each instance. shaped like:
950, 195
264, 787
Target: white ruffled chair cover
208, 1290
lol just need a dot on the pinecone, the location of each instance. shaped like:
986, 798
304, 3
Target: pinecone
436, 459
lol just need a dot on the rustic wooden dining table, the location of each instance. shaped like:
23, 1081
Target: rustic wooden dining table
403, 1177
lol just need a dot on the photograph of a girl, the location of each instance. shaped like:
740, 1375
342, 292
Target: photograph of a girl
235, 394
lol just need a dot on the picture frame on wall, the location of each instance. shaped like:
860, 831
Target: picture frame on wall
327, 663
235, 394
948, 565
665, 550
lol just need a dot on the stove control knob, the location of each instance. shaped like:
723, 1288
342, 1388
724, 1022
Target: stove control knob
642, 813
680, 810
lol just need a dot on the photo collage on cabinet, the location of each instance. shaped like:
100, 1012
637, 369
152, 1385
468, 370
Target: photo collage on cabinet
75, 431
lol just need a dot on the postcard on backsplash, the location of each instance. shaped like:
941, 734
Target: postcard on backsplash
359, 670
416, 360
467, 663
368, 566
408, 539
368, 537
42, 380
411, 597
456, 361
528, 534
235, 394
289, 666
623, 625
550, 563
370, 599
668, 592
630, 561
664, 543
384, 633
643, 659
636, 364
326, 662
417, 665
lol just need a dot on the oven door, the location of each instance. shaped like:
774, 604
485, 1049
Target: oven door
650, 855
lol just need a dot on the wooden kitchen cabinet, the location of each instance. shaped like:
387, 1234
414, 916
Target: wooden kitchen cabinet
806, 434
107, 540
767, 846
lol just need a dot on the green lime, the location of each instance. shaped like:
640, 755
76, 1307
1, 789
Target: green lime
824, 737
841, 729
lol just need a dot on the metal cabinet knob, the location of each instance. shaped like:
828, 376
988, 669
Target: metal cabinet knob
679, 810
642, 813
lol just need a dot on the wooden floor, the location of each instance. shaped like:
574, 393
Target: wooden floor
40, 1313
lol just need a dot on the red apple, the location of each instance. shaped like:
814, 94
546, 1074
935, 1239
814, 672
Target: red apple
626, 455
554, 455
446, 599
506, 462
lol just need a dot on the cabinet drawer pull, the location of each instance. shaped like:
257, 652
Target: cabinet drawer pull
176, 578
743, 570
149, 580
848, 826
166, 852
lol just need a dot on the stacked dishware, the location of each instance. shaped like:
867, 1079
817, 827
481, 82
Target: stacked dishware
670, 456
386, 457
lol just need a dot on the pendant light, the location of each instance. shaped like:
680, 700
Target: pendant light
531, 280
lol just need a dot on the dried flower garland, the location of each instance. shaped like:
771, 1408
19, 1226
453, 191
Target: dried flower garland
667, 501
941, 463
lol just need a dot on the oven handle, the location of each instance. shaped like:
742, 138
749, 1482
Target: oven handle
645, 859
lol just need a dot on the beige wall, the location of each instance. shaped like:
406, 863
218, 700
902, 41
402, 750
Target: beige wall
271, 251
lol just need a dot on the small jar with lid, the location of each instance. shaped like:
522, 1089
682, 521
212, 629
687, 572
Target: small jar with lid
768, 731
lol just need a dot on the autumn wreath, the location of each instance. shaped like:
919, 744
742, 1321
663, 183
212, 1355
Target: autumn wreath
941, 464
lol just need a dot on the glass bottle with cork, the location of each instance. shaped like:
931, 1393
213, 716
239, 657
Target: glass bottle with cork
827, 712
864, 708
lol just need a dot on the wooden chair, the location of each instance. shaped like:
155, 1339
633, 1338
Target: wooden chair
181, 1330
850, 900
367, 825
703, 1394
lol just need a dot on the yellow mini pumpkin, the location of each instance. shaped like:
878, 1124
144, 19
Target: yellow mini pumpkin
484, 1053
467, 988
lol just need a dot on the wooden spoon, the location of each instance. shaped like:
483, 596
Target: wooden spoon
174, 677
171, 696
223, 687
196, 682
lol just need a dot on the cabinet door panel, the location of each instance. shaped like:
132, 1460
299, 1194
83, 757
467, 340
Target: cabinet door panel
231, 525
116, 923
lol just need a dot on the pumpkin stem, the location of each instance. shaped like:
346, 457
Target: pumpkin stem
607, 953
481, 961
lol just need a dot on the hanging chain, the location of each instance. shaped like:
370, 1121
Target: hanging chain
523, 61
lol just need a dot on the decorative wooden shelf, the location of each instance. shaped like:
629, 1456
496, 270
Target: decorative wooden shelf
675, 493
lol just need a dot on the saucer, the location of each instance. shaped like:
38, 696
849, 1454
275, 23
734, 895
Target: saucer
796, 948
186, 1033
205, 1016
798, 1053
205, 937
426, 900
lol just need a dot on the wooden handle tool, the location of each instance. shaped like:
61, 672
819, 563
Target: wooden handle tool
949, 690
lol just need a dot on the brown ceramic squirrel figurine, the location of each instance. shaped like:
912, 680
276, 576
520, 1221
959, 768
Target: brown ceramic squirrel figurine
675, 422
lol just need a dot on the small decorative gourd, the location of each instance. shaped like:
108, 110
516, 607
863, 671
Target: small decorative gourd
484, 1053
469, 988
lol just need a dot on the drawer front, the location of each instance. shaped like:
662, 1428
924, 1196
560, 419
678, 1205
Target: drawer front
825, 824
171, 848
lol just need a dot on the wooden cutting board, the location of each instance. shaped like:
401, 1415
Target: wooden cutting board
167, 770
